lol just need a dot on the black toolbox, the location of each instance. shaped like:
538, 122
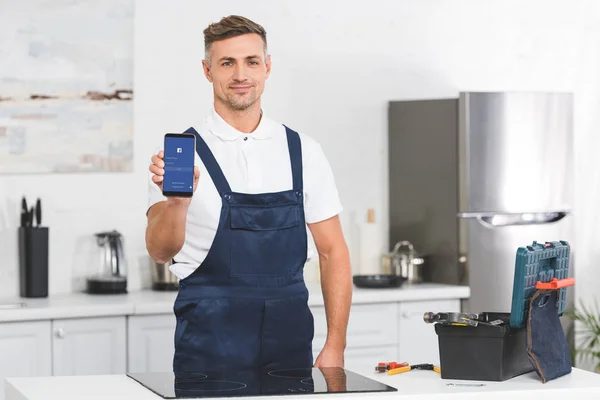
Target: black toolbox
484, 352
496, 348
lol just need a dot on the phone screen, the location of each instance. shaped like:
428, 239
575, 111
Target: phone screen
180, 151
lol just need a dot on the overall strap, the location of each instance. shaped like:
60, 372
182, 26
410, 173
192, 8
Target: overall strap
295, 149
210, 163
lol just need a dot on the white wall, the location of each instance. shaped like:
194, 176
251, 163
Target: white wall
334, 69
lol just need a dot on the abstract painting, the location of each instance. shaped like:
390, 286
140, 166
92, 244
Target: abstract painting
66, 86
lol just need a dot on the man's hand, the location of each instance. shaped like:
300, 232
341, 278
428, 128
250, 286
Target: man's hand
330, 356
157, 168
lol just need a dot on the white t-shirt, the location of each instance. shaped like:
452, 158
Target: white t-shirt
258, 162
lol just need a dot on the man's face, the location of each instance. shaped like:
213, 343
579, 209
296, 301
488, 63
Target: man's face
238, 70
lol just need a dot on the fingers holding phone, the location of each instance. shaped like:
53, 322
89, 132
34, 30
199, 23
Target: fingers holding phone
157, 168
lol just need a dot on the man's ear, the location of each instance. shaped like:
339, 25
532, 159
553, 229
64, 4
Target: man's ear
207, 72
268, 65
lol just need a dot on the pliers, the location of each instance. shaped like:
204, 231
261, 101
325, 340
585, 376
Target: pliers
426, 367
386, 366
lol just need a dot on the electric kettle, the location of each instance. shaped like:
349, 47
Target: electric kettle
111, 276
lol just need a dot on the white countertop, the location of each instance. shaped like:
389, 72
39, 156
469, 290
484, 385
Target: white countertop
419, 385
147, 302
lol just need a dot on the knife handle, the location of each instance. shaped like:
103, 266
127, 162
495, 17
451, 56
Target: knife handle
38, 212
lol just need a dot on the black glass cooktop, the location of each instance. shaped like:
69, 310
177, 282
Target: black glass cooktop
257, 383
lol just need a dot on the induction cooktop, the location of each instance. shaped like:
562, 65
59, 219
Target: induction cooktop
171, 385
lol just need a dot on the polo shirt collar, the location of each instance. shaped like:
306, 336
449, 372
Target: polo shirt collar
223, 130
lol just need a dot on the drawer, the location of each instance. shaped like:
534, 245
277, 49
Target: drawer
364, 358
369, 325
418, 342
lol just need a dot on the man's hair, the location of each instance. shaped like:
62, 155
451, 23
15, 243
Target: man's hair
228, 27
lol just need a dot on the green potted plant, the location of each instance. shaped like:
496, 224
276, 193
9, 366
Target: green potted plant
588, 334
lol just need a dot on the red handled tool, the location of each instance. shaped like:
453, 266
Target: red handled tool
387, 366
426, 367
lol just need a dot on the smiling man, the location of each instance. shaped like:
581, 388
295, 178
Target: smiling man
240, 243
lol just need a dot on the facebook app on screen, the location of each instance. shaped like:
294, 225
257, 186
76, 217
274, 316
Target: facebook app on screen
179, 164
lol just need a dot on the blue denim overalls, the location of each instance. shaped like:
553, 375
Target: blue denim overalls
246, 305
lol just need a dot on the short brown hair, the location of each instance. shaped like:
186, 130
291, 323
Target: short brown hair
231, 26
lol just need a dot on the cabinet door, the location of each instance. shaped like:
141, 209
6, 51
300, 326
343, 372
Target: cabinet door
25, 350
418, 342
150, 343
361, 359
89, 346
369, 325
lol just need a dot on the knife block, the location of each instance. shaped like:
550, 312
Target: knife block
33, 261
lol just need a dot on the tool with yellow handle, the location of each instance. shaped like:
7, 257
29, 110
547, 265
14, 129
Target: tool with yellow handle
427, 367
395, 371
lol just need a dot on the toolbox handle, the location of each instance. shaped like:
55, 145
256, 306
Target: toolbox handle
555, 283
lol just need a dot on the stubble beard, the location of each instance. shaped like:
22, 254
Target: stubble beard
238, 103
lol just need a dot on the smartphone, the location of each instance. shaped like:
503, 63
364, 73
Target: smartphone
180, 151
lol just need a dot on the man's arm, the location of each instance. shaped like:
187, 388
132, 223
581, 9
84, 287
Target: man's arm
165, 233
336, 283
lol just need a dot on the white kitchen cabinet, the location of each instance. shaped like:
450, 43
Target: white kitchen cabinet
372, 335
138, 336
357, 358
89, 346
384, 332
369, 325
417, 341
25, 350
150, 343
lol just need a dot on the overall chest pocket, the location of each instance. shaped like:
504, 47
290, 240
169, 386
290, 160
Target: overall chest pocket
266, 240
253, 218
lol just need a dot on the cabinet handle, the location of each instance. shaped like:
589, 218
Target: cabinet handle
60, 333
